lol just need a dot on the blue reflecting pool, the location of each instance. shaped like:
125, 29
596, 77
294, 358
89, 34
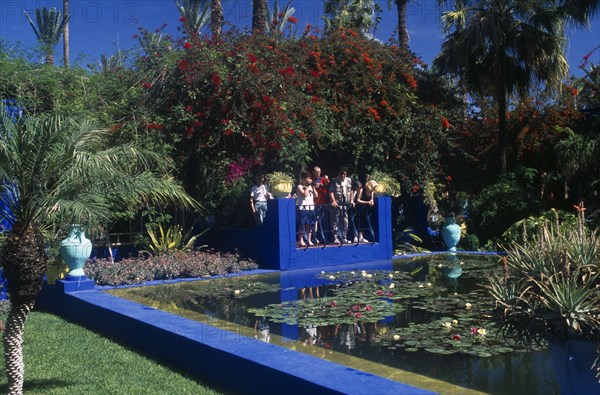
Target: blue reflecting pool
424, 321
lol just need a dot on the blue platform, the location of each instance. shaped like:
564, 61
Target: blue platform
273, 244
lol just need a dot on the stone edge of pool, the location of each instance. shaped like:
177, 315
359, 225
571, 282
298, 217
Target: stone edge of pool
235, 362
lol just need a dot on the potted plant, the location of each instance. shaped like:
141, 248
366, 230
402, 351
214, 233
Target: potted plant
280, 184
386, 184
446, 207
550, 292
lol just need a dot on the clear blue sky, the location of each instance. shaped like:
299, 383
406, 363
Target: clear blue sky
97, 26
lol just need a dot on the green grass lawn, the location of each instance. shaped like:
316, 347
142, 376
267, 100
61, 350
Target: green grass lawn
63, 358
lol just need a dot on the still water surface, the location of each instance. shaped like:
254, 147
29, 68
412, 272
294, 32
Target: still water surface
429, 328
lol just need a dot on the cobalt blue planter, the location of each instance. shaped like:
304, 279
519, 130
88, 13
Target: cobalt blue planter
451, 233
76, 250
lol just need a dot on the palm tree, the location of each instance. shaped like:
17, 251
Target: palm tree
503, 47
402, 26
359, 15
48, 27
579, 11
216, 18
195, 14
259, 16
66, 54
54, 172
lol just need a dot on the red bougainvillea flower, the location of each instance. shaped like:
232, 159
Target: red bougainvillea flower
216, 79
416, 188
252, 58
357, 315
333, 303
146, 85
356, 307
293, 19
456, 337
228, 132
187, 45
184, 64
474, 330
448, 178
188, 108
182, 19
368, 307
380, 292
445, 123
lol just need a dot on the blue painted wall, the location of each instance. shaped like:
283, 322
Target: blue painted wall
273, 244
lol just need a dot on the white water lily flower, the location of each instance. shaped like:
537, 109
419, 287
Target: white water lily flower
429, 284
420, 285
482, 331
468, 306
454, 322
237, 292
392, 285
447, 324
440, 265
390, 275
332, 277
396, 337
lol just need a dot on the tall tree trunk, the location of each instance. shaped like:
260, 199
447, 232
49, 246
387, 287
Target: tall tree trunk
13, 346
259, 16
216, 18
25, 260
49, 58
402, 29
501, 99
66, 33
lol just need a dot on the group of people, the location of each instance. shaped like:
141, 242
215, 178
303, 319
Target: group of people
325, 207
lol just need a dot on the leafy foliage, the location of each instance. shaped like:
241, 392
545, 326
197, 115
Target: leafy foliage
165, 266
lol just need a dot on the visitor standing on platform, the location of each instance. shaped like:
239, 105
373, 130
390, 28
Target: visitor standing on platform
365, 202
258, 199
305, 204
340, 190
321, 182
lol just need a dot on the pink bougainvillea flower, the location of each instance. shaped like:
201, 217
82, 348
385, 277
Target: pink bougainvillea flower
356, 307
380, 292
474, 330
333, 303
368, 307
357, 315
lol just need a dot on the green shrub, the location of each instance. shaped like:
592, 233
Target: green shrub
165, 266
500, 205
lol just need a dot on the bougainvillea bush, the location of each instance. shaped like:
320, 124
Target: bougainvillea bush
243, 104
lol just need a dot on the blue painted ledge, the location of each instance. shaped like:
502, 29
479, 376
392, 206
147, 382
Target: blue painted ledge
230, 360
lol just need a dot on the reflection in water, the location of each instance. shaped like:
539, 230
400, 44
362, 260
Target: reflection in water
376, 326
263, 330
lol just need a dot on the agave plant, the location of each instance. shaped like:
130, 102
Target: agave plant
195, 14
53, 172
550, 288
278, 19
171, 239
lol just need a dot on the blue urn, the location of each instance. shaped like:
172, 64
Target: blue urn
451, 233
76, 250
